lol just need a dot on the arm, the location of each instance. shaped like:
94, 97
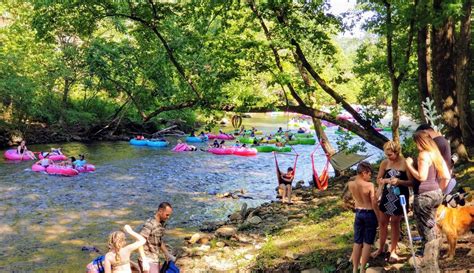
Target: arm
423, 165
380, 180
165, 251
140, 240
107, 265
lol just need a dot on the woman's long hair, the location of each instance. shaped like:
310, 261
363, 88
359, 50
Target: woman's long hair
424, 140
116, 242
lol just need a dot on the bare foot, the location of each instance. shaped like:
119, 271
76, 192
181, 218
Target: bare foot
393, 258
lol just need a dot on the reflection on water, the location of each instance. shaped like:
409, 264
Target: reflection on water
47, 219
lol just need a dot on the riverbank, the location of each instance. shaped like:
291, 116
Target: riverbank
313, 234
39, 133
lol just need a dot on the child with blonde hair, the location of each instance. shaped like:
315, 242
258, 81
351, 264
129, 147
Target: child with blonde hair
117, 260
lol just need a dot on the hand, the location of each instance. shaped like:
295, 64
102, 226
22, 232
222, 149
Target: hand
171, 258
127, 228
394, 181
409, 161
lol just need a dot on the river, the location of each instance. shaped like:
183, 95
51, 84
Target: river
45, 220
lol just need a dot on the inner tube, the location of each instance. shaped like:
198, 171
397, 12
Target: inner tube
268, 141
13, 155
87, 168
180, 147
37, 167
225, 137
152, 143
303, 135
211, 136
221, 151
265, 149
245, 151
387, 129
138, 142
195, 139
61, 170
247, 140
282, 149
293, 142
54, 157
306, 141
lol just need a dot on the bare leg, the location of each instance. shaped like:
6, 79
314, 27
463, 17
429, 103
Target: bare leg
383, 230
395, 235
288, 192
356, 252
365, 256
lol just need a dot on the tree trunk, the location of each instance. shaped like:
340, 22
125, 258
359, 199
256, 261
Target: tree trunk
395, 112
444, 79
424, 71
462, 75
423, 57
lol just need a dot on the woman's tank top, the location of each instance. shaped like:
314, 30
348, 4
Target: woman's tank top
430, 184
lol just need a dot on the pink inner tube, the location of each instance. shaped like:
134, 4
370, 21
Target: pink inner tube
37, 167
61, 170
54, 157
181, 147
86, 168
221, 151
211, 136
378, 129
13, 155
225, 137
245, 151
344, 117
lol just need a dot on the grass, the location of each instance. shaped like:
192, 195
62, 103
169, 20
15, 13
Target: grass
324, 237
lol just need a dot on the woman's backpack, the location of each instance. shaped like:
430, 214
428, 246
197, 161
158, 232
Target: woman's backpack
96, 266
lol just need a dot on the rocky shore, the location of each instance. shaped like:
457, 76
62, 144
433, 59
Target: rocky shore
312, 235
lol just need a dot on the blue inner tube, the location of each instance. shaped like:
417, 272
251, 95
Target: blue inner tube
138, 142
157, 143
195, 139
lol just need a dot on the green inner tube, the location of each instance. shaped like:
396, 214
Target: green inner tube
387, 129
282, 149
306, 141
293, 142
246, 140
304, 135
265, 149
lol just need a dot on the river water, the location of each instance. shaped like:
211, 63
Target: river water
45, 220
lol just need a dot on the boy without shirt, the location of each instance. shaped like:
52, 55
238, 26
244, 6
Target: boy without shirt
365, 223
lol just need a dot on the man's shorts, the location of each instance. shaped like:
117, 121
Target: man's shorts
365, 226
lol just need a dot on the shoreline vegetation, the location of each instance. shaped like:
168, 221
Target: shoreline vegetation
312, 235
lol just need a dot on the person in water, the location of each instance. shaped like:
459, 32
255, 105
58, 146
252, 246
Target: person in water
215, 144
237, 144
221, 145
255, 142
23, 151
192, 134
45, 161
117, 260
56, 151
81, 162
301, 131
280, 130
202, 135
287, 179
365, 222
